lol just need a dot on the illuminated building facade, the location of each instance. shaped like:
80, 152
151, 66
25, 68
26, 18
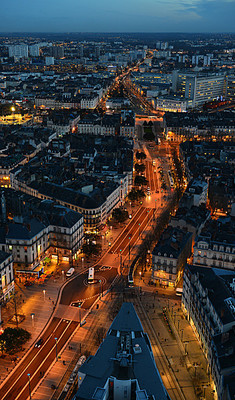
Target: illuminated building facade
208, 303
6, 276
170, 255
201, 89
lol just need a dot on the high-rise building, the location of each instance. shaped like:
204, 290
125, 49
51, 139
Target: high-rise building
123, 366
97, 51
34, 50
201, 89
195, 60
50, 60
81, 50
230, 90
57, 51
18, 50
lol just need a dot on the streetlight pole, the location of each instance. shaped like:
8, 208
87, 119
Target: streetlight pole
29, 387
80, 315
44, 294
121, 260
100, 289
139, 229
32, 315
182, 335
129, 248
56, 353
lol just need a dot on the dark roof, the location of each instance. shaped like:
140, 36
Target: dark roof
25, 231
79, 199
3, 256
216, 282
125, 335
172, 242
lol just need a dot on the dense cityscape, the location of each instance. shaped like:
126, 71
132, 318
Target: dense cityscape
117, 216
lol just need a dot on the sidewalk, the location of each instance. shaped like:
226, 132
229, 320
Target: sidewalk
36, 303
181, 347
84, 341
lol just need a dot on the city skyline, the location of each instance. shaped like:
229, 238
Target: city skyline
139, 16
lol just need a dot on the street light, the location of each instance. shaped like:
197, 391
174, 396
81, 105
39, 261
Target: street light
182, 334
80, 314
185, 347
44, 294
29, 387
129, 248
120, 260
82, 261
32, 315
56, 353
139, 229
62, 275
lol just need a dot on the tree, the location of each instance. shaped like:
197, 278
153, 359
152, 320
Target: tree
149, 136
90, 248
120, 215
140, 181
140, 155
13, 339
136, 195
100, 334
140, 168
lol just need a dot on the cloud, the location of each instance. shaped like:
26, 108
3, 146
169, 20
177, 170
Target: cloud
127, 16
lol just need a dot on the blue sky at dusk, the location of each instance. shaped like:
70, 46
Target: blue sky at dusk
117, 16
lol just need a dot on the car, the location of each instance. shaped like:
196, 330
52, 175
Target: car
39, 343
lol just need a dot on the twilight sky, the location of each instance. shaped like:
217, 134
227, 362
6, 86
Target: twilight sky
117, 16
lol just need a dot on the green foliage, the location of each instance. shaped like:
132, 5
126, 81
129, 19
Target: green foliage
140, 155
149, 135
178, 167
90, 248
120, 215
13, 339
136, 195
139, 167
140, 181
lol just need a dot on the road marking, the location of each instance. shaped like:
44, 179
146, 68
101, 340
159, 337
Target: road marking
54, 346
31, 360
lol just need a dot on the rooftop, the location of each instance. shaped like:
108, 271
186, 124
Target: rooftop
124, 355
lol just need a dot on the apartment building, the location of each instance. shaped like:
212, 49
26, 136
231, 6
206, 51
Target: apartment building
170, 255
6, 277
208, 303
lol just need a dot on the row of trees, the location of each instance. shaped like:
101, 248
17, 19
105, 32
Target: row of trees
178, 167
161, 223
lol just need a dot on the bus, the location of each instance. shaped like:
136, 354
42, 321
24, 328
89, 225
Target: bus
179, 291
91, 275
130, 280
